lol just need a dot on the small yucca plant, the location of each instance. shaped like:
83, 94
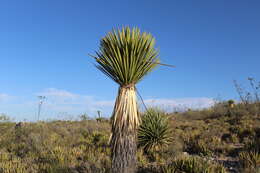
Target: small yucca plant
250, 161
154, 132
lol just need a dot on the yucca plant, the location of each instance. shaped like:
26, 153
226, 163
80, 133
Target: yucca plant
154, 133
126, 56
250, 161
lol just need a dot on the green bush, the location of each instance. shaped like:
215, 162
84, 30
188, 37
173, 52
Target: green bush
154, 132
193, 165
197, 146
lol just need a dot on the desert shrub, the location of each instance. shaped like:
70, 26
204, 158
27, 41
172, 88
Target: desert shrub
244, 130
197, 146
193, 165
175, 149
253, 145
221, 109
230, 138
99, 139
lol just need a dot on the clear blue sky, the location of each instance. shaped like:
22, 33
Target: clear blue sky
44, 47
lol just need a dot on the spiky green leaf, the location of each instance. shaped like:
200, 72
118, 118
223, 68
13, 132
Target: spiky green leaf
127, 55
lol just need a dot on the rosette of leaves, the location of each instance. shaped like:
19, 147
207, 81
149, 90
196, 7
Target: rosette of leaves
154, 132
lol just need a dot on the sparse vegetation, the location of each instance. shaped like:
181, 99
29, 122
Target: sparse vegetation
199, 141
193, 165
219, 139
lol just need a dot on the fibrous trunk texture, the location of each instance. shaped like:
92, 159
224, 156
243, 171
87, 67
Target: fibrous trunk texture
125, 121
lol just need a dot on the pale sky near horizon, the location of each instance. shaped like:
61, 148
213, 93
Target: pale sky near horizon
44, 47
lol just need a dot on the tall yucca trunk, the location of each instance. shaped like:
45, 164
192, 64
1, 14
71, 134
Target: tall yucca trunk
124, 127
